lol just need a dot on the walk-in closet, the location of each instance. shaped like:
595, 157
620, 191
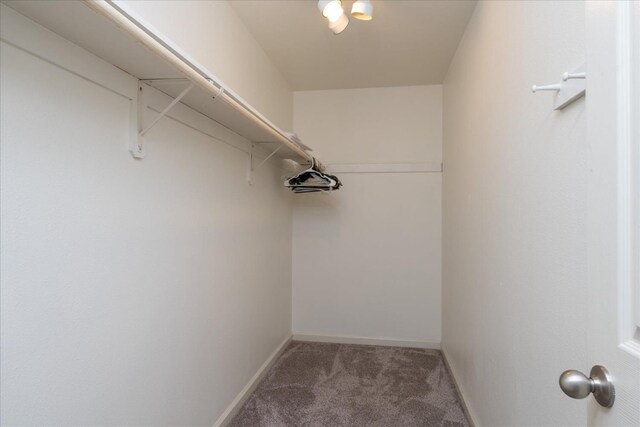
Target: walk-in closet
334, 213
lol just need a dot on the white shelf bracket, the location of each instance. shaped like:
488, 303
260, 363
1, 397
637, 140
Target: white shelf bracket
252, 169
139, 130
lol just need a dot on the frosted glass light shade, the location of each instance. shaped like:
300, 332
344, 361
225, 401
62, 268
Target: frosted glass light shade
340, 24
363, 10
331, 9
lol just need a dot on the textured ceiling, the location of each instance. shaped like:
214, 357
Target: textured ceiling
406, 43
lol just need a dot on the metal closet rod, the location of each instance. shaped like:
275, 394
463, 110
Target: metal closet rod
124, 21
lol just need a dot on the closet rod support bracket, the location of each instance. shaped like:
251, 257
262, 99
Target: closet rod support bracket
252, 168
139, 130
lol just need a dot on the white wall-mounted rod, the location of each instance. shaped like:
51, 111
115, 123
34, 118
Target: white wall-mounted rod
536, 88
568, 76
573, 87
123, 20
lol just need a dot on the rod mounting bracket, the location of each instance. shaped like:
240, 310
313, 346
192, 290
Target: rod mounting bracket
252, 169
138, 127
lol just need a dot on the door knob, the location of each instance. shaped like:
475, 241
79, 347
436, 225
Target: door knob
577, 385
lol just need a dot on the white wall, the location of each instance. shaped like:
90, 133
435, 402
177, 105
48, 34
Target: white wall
514, 212
366, 259
213, 34
133, 292
381, 125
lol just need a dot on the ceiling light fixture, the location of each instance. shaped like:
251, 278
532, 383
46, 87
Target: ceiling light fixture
338, 20
340, 24
331, 9
362, 10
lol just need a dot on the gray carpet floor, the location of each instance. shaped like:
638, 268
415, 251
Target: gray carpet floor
318, 384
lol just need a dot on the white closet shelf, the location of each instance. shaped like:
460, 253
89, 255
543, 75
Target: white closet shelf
115, 33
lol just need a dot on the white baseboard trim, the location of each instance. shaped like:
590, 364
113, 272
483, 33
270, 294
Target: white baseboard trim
463, 399
244, 394
367, 341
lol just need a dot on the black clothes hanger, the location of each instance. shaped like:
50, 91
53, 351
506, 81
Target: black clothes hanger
312, 180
